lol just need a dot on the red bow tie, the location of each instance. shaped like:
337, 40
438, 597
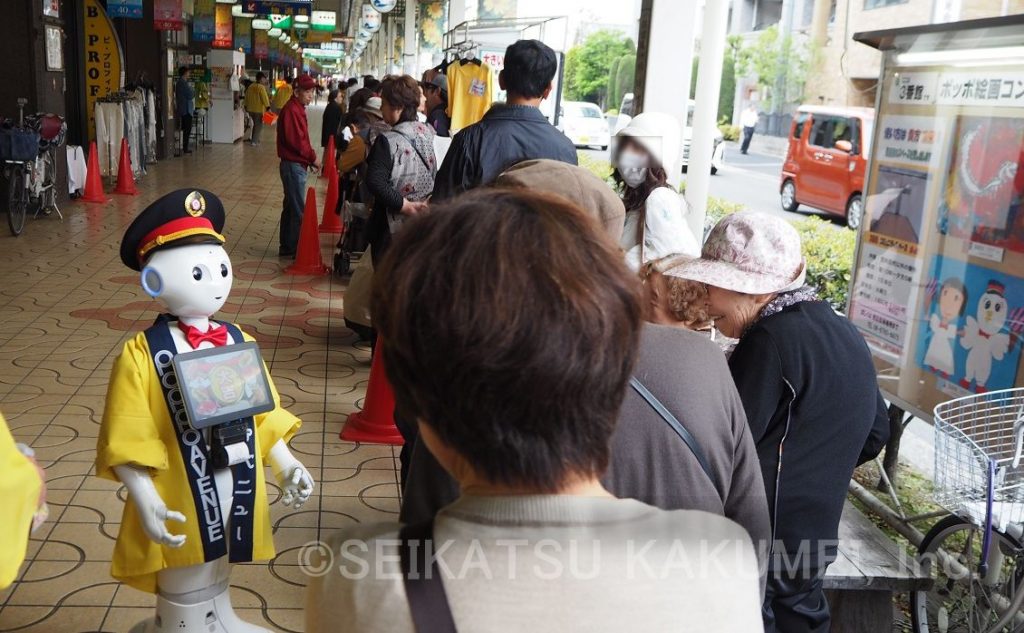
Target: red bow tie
216, 335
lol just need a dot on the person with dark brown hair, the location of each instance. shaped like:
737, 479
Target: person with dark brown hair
515, 375
401, 166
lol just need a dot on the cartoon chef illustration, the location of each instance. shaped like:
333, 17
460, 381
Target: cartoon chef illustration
197, 497
984, 337
943, 325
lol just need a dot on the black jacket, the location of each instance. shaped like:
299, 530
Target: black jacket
332, 121
808, 386
505, 136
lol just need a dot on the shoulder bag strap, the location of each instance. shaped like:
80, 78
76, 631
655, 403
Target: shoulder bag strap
424, 588
677, 426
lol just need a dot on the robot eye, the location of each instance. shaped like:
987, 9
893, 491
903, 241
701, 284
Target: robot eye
999, 308
197, 273
988, 305
223, 270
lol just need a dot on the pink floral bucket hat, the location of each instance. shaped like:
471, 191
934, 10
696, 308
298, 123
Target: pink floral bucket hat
749, 252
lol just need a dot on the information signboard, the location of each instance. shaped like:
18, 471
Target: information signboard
938, 287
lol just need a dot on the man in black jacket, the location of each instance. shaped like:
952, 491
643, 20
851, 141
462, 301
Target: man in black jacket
511, 132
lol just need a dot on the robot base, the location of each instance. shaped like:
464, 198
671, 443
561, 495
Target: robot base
208, 616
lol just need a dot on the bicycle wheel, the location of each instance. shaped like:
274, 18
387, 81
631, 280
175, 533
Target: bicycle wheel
960, 601
17, 199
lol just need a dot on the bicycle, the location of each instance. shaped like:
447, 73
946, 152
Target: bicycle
29, 164
975, 554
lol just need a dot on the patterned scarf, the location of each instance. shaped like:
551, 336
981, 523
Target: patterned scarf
785, 299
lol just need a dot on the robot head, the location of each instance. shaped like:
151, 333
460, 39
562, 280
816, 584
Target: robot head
176, 244
191, 281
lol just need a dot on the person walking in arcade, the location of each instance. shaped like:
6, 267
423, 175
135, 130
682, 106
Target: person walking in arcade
297, 157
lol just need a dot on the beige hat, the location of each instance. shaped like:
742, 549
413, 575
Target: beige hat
577, 184
373, 105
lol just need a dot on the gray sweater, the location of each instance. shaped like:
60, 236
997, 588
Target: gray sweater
649, 462
550, 564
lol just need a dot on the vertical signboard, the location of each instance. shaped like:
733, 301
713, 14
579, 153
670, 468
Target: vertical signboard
204, 21
104, 63
223, 30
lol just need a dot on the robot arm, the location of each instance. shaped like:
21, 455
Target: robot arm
292, 476
151, 508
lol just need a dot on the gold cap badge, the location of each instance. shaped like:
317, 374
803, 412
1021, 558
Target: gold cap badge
195, 204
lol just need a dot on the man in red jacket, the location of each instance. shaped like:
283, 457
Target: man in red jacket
297, 156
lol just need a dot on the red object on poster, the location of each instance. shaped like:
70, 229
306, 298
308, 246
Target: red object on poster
223, 35
167, 15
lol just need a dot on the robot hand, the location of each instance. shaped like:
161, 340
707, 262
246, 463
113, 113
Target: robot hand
152, 510
295, 481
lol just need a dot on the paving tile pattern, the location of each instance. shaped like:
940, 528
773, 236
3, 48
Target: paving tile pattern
67, 305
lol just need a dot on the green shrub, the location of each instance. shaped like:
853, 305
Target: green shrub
600, 168
729, 132
829, 254
612, 112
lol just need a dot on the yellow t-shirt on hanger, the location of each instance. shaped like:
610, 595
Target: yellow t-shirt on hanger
470, 93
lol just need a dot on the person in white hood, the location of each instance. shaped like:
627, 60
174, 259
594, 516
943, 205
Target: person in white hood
648, 151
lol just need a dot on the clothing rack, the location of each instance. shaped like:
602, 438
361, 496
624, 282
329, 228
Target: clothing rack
474, 34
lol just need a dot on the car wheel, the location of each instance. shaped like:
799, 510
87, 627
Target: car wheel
854, 212
788, 196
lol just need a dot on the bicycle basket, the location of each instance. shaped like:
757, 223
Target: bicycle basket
18, 144
972, 434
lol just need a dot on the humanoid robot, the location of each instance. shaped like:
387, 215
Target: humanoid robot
208, 481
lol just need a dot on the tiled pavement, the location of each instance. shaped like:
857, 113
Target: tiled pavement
67, 305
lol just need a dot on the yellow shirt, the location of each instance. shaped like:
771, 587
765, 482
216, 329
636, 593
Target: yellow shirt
470, 93
256, 98
137, 430
281, 97
20, 485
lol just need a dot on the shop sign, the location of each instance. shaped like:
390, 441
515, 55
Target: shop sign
913, 88
167, 15
261, 45
261, 24
324, 20
104, 62
994, 87
333, 46
131, 9
51, 8
313, 37
283, 22
243, 35
280, 7
204, 24
236, 10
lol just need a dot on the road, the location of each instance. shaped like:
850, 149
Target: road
751, 180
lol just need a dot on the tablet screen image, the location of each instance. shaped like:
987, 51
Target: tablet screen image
223, 384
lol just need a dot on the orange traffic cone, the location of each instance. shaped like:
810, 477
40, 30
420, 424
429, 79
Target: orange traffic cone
329, 165
125, 179
93, 181
308, 259
332, 221
375, 424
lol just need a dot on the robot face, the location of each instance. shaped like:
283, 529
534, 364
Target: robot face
191, 281
992, 309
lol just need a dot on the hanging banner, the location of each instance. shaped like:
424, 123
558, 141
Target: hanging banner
204, 23
104, 61
167, 15
324, 21
223, 25
261, 45
433, 19
131, 9
243, 34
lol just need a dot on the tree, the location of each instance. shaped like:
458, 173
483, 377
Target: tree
588, 65
626, 81
779, 65
614, 96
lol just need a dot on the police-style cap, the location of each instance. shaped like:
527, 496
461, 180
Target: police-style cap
185, 216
